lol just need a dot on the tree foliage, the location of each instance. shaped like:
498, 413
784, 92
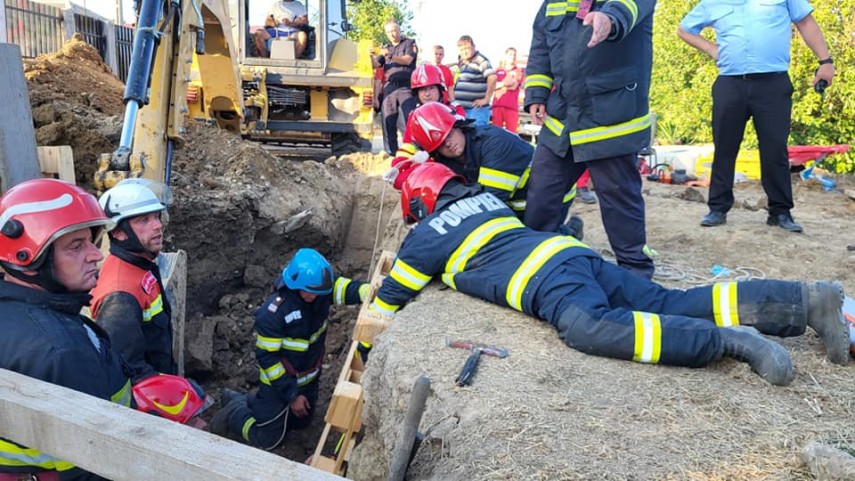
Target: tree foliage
681, 93
368, 18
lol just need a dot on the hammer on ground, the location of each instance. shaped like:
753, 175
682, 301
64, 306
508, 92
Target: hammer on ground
471, 364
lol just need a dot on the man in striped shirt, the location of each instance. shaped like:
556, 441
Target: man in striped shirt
476, 82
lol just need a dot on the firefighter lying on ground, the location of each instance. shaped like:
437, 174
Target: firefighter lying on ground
478, 246
129, 301
291, 326
489, 155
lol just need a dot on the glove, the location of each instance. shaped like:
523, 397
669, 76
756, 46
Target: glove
391, 175
420, 157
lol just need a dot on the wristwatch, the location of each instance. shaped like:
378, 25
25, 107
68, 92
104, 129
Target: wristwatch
826, 60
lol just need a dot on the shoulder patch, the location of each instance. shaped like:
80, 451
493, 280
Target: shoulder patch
274, 305
148, 283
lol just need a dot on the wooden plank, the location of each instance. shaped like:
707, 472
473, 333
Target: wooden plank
369, 324
345, 409
173, 271
18, 157
119, 443
57, 161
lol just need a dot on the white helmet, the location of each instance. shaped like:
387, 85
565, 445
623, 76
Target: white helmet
133, 197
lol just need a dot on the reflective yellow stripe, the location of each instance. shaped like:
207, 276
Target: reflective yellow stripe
633, 10
555, 9
570, 195
13, 455
554, 125
725, 307
340, 289
476, 240
648, 337
381, 306
246, 427
303, 380
610, 131
123, 396
535, 260
538, 80
407, 276
302, 345
448, 280
497, 179
517, 205
524, 178
272, 373
269, 344
155, 308
407, 150
363, 291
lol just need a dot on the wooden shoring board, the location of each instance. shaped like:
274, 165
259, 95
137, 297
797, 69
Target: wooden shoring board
57, 161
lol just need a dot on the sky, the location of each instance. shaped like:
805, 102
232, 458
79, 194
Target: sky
494, 25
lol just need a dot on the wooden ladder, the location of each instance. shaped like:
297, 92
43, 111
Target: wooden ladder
344, 414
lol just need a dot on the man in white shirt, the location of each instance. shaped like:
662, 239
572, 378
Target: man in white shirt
284, 20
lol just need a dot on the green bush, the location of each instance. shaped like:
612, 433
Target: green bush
682, 81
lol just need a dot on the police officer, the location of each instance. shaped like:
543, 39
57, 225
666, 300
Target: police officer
48, 230
587, 84
398, 60
490, 155
291, 327
476, 245
129, 300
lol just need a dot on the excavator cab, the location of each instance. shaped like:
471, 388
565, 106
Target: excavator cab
318, 95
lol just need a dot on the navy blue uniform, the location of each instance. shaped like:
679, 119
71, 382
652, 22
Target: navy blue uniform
289, 350
46, 337
477, 246
597, 117
501, 162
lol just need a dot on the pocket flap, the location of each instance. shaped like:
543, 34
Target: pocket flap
609, 81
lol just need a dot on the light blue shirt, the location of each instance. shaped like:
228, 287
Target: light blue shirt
753, 36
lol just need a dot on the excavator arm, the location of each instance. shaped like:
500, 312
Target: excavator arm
175, 41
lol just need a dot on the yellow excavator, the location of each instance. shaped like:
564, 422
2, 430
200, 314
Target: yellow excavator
196, 58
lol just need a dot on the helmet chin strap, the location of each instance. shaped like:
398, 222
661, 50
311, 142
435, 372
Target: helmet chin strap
45, 276
132, 243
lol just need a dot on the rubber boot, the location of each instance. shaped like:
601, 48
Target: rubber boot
767, 358
575, 227
220, 422
825, 316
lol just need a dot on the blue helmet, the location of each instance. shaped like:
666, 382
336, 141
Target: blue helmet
308, 271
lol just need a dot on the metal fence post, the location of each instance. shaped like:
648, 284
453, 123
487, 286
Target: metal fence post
68, 23
3, 38
110, 37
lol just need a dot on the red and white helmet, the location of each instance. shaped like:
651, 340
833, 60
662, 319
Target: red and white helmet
35, 213
426, 75
422, 188
171, 397
430, 125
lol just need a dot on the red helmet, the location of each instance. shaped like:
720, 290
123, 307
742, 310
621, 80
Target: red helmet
171, 397
421, 189
426, 75
430, 125
33, 214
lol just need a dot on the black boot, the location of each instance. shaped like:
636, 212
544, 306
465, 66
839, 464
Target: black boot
222, 419
575, 227
767, 358
825, 316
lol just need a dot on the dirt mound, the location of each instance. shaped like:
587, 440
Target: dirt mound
76, 100
548, 412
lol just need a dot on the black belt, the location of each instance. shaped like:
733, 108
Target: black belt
756, 76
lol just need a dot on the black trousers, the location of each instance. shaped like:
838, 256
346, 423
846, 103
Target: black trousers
618, 189
394, 103
767, 99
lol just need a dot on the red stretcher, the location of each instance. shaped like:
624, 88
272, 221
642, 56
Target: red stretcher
800, 154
